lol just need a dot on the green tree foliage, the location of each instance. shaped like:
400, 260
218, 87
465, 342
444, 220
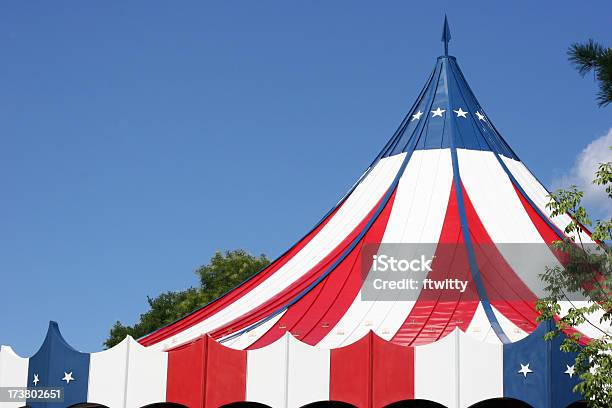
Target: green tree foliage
223, 272
587, 270
592, 56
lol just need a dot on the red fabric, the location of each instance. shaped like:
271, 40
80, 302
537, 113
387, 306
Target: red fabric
186, 374
372, 372
436, 313
393, 372
204, 373
225, 374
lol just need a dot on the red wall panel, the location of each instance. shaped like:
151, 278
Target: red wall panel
372, 372
204, 374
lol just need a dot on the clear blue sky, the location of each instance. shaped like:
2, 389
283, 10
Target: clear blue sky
137, 138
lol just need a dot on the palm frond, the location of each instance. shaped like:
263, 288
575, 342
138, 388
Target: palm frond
592, 56
604, 96
584, 56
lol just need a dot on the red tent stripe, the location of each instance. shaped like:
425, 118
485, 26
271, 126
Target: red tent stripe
204, 373
372, 372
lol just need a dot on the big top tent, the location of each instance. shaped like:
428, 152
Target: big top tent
446, 186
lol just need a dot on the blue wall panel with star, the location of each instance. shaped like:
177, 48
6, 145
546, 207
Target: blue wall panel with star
537, 372
56, 364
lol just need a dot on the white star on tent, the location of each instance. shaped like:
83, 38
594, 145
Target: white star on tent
480, 116
460, 113
570, 371
35, 380
437, 112
68, 377
525, 370
416, 116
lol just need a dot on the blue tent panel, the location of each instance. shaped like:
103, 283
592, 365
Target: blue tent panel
57, 364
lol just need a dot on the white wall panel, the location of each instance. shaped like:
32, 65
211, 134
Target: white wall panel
266, 380
480, 370
436, 371
147, 375
108, 374
288, 373
308, 373
13, 373
128, 375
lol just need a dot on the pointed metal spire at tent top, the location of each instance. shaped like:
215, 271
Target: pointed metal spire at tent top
446, 35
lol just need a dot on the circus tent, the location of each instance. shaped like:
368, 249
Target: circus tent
447, 181
446, 186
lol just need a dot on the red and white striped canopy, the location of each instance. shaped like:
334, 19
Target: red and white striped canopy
446, 178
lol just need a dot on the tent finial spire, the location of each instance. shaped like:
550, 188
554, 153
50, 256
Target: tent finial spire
446, 35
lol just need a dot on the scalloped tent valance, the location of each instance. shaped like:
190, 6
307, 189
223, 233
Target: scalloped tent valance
456, 371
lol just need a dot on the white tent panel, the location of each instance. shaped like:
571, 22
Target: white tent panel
436, 371
108, 374
146, 375
266, 374
13, 373
480, 370
308, 371
288, 373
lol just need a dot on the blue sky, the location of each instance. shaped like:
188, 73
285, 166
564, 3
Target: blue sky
137, 138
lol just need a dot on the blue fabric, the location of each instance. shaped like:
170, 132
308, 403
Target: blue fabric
451, 92
547, 386
51, 362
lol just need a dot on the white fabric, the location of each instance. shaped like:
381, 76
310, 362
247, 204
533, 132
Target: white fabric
287, 373
458, 371
127, 375
593, 327
539, 195
13, 373
107, 375
436, 371
481, 374
147, 375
